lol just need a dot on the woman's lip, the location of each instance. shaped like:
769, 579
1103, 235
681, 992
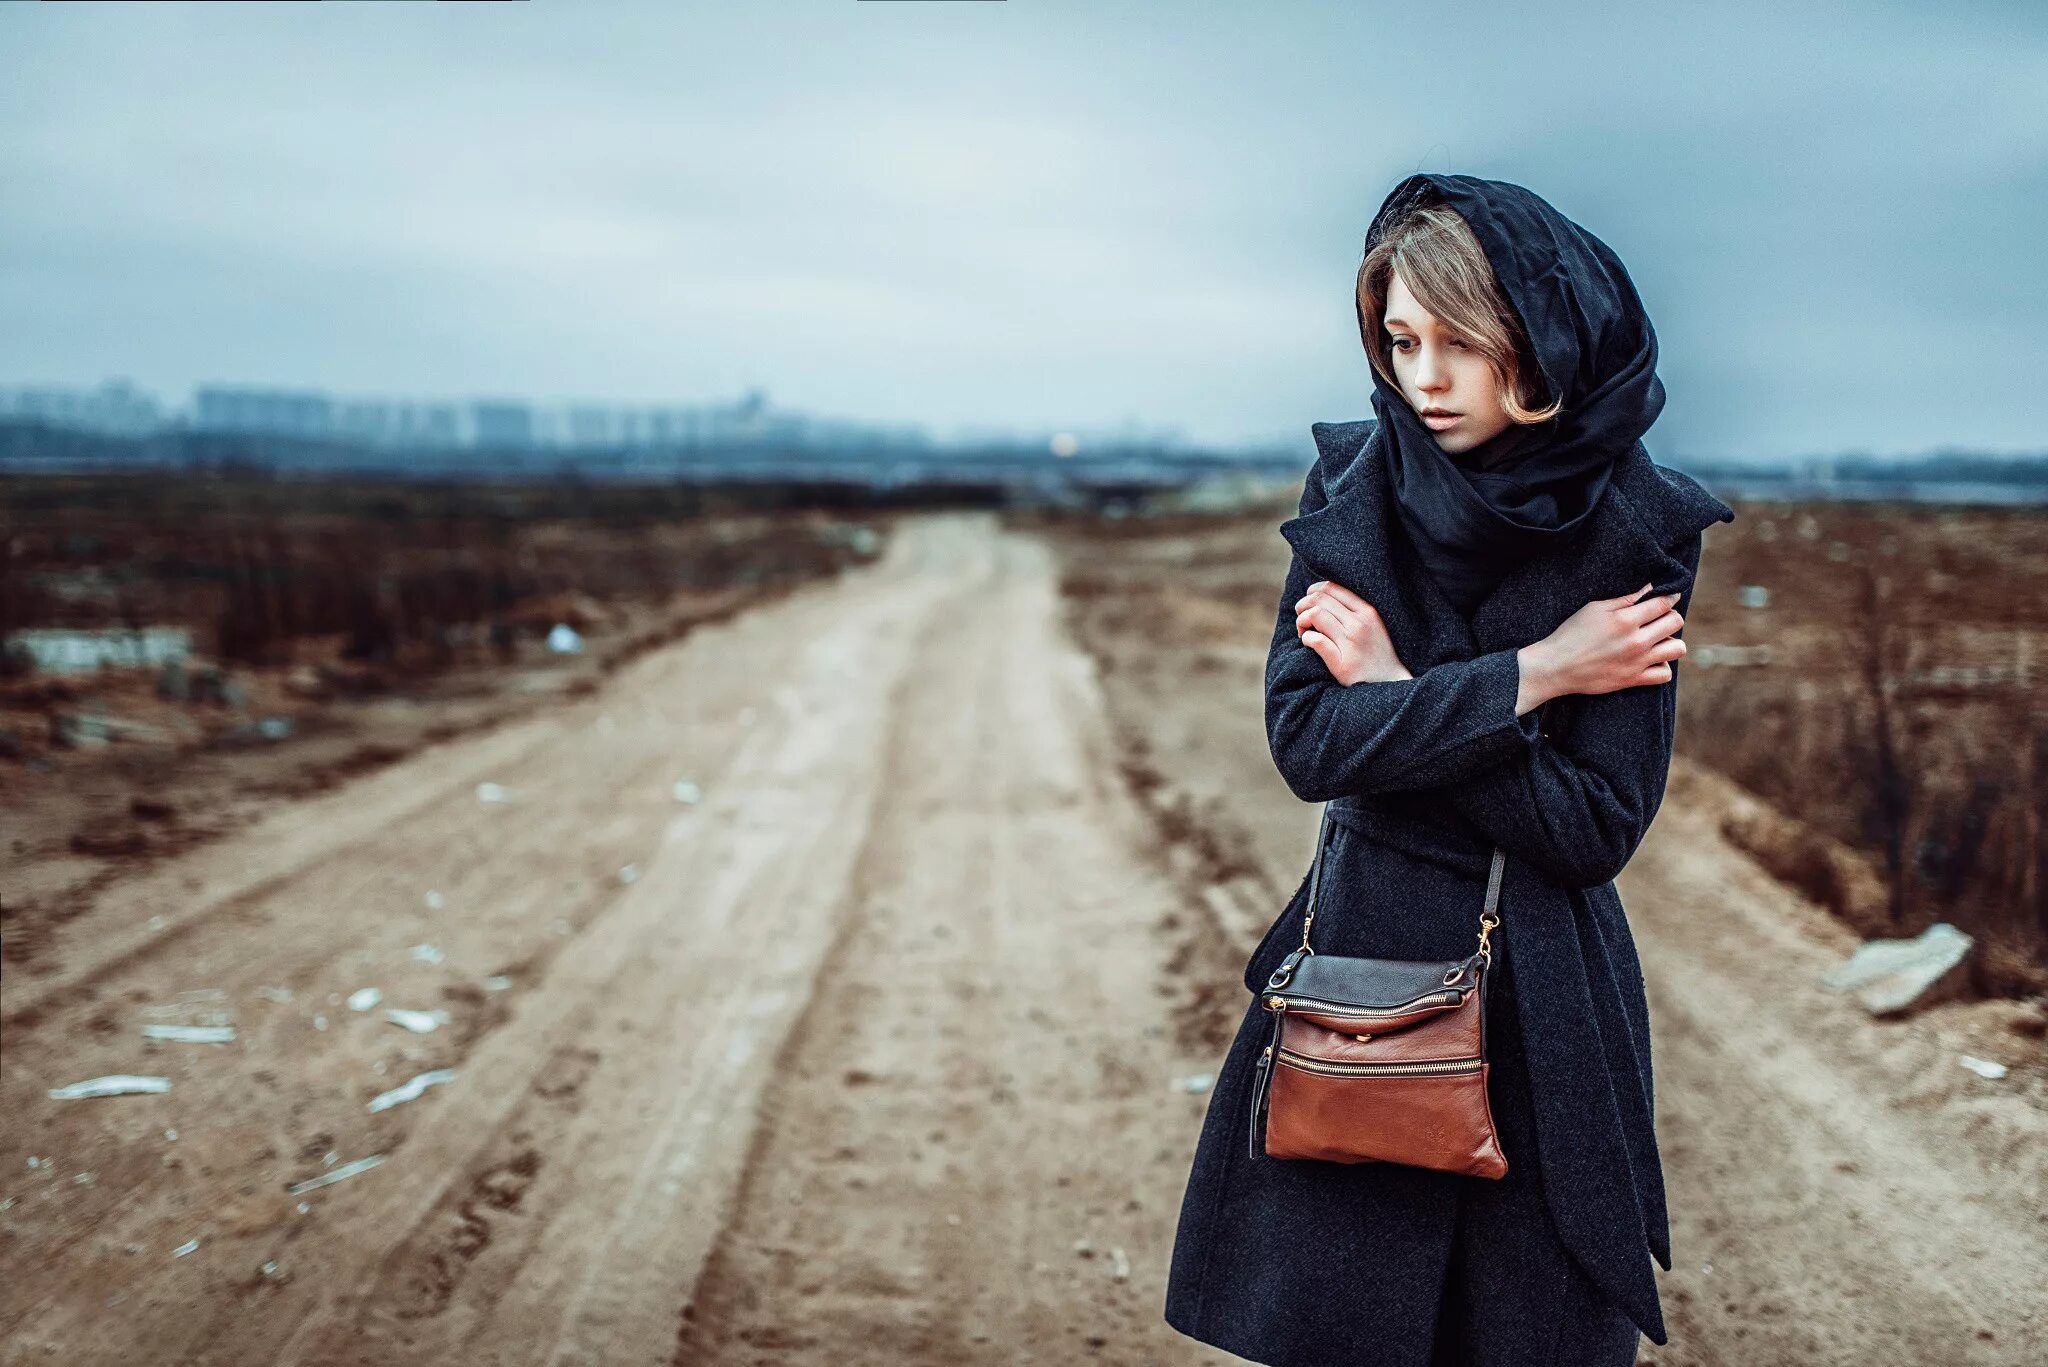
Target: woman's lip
1439, 421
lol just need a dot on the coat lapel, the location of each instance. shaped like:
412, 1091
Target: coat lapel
1352, 539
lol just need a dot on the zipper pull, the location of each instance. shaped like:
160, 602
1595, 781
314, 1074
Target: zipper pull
1258, 1090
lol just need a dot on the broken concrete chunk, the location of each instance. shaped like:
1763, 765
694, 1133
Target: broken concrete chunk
363, 998
1888, 977
114, 1084
1982, 1067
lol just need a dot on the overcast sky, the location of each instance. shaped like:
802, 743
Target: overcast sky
1030, 213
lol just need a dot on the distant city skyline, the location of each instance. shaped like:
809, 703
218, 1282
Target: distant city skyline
1026, 217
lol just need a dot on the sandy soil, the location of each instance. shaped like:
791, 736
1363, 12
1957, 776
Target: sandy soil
871, 1054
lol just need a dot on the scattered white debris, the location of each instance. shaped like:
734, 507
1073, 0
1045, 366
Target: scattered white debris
435, 901
34, 1163
629, 873
171, 1135
386, 1100
497, 984
1194, 1083
1982, 1067
269, 1269
304, 1208
319, 1022
156, 923
85, 1179
1753, 596
564, 640
190, 1034
326, 1179
330, 1158
427, 954
490, 792
1891, 976
114, 1084
363, 998
686, 791
1119, 1264
188, 1246
7, 1203
419, 1022
280, 995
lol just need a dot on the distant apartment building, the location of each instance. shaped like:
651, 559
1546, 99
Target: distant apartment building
117, 408
265, 412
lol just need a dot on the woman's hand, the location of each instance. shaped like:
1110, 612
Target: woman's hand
1347, 632
1606, 646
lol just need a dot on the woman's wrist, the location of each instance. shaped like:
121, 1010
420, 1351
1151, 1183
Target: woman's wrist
1539, 681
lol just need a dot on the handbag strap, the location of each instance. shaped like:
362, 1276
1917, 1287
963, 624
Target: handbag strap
1489, 916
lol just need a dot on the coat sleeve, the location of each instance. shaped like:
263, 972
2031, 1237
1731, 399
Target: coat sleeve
1332, 740
1577, 809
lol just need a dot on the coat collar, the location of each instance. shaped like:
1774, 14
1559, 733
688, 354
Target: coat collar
1647, 514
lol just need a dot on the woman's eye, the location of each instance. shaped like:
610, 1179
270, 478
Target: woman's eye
1398, 343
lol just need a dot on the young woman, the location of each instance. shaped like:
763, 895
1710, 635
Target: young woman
1477, 646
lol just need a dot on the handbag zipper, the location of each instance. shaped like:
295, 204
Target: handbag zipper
1323, 1008
1314, 1065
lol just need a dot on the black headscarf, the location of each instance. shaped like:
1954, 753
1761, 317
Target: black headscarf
1532, 486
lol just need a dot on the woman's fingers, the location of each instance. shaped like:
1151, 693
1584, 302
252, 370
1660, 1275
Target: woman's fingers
1334, 592
1644, 610
1349, 600
1663, 625
1333, 619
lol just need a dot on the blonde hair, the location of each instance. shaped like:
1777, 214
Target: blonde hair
1446, 270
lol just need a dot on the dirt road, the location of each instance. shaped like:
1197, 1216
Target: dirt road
868, 1054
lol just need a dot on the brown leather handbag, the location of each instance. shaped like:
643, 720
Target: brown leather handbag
1379, 1060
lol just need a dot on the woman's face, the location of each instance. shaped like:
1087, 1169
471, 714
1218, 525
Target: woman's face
1438, 370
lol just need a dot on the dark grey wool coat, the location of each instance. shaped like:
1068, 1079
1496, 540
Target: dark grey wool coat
1297, 1262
